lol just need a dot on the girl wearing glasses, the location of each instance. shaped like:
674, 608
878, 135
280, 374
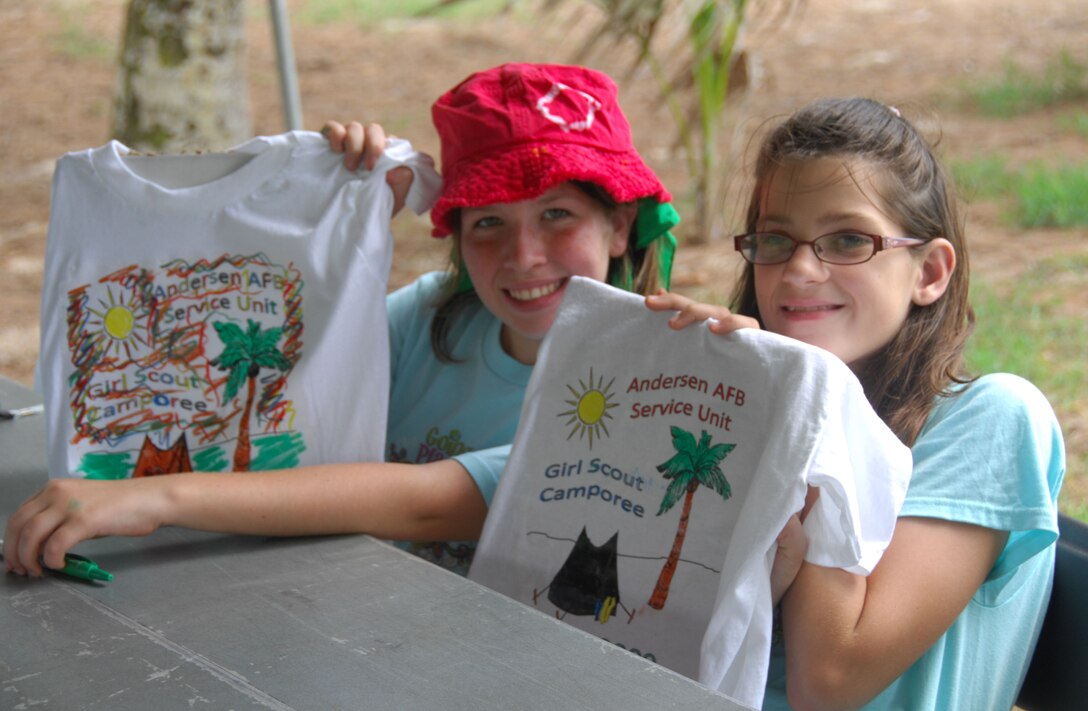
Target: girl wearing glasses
854, 244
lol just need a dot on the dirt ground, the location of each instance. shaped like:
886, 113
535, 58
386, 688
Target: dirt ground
57, 71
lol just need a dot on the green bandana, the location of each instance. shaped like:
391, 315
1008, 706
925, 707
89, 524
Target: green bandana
655, 222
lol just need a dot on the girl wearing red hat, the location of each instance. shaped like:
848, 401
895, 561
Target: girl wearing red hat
540, 183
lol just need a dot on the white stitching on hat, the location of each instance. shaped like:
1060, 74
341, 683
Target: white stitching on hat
557, 88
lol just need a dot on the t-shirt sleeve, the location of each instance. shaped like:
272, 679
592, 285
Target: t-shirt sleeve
862, 471
485, 467
426, 183
992, 456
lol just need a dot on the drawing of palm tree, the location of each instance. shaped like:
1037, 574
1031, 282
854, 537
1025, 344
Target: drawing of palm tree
244, 354
692, 465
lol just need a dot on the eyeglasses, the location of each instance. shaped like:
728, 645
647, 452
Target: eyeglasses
835, 248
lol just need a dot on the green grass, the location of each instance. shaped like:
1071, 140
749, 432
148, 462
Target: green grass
366, 12
1017, 91
1038, 195
985, 177
1076, 123
1026, 328
1052, 197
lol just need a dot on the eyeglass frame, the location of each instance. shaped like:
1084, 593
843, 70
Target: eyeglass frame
880, 243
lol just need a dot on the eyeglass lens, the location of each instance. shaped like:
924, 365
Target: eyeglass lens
839, 248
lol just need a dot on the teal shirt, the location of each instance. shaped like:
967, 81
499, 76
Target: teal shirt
991, 456
466, 410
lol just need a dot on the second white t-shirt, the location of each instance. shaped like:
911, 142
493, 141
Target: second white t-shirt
654, 469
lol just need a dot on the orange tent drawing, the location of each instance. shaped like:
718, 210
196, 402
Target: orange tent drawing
154, 460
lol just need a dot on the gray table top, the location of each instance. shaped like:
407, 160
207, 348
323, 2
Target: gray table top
22, 447
197, 620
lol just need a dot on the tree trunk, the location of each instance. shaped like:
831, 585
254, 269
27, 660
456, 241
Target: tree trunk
661, 590
181, 80
242, 446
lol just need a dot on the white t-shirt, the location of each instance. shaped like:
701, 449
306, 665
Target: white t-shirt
653, 470
218, 311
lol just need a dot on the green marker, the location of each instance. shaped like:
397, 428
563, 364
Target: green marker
76, 566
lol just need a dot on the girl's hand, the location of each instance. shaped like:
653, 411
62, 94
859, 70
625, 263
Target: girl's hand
363, 146
67, 511
792, 548
722, 321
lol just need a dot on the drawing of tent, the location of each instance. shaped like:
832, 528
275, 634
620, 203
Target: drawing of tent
587, 578
154, 461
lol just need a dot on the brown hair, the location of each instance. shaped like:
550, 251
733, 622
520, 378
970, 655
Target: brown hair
925, 357
637, 270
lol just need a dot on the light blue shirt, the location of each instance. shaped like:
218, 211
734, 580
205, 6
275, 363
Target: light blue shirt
466, 410
992, 456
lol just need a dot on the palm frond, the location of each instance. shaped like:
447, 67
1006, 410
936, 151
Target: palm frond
676, 464
265, 341
712, 456
229, 332
273, 359
683, 441
714, 478
674, 493
234, 382
234, 354
707, 461
683, 462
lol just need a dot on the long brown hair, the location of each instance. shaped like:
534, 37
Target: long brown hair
925, 358
638, 267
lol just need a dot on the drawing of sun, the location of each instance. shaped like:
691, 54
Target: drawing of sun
117, 325
589, 408
118, 322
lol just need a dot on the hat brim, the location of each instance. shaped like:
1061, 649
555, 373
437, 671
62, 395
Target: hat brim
527, 171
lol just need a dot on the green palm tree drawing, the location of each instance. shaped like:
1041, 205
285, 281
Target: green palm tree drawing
692, 465
244, 354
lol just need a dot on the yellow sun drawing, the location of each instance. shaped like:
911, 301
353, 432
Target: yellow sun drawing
589, 408
119, 324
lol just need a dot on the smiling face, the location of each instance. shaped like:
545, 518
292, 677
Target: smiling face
850, 310
521, 256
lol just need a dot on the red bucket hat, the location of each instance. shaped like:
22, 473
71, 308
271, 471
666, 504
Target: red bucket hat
515, 131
